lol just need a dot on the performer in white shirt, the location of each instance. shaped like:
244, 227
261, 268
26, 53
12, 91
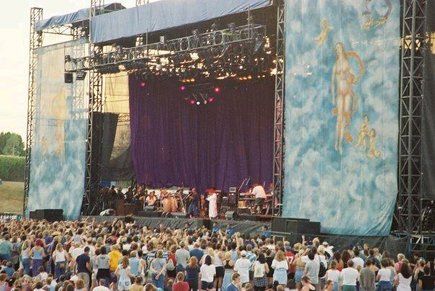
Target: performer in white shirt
212, 204
260, 197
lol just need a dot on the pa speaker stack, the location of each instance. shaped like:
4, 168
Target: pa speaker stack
47, 214
295, 225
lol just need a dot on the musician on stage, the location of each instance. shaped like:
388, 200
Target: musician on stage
193, 210
260, 196
151, 199
212, 203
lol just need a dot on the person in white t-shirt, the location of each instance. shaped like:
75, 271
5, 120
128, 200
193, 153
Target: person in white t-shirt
333, 275
60, 257
358, 262
207, 271
260, 196
349, 277
384, 276
242, 266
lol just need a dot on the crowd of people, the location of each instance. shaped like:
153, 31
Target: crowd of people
120, 255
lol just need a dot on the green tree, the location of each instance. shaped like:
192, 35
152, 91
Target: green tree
11, 144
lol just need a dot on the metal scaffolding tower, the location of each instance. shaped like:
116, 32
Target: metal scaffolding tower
278, 127
36, 15
95, 104
414, 38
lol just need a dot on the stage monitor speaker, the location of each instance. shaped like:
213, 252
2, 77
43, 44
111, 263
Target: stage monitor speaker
68, 78
149, 214
179, 214
47, 214
231, 215
149, 208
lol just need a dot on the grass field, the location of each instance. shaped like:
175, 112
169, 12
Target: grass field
11, 197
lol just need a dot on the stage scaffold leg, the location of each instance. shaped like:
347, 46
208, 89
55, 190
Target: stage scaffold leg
36, 38
279, 112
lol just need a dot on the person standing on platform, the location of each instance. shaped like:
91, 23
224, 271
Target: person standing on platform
212, 204
260, 196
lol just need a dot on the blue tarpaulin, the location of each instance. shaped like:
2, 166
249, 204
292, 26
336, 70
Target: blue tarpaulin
80, 15
165, 14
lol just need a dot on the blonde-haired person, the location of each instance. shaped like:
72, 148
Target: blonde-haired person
124, 275
158, 270
280, 267
299, 265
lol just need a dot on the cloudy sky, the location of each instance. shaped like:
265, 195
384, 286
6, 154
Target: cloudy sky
14, 29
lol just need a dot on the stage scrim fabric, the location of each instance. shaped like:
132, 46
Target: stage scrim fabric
218, 144
59, 143
341, 116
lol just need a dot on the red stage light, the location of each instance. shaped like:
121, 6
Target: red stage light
217, 90
210, 99
192, 101
182, 88
142, 84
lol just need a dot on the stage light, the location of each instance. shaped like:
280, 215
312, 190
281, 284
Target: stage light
210, 99
217, 89
142, 84
182, 88
81, 75
198, 103
192, 102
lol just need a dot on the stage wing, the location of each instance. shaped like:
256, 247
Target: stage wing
57, 170
341, 116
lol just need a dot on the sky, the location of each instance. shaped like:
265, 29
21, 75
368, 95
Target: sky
14, 55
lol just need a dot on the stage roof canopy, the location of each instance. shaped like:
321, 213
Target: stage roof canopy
70, 18
165, 14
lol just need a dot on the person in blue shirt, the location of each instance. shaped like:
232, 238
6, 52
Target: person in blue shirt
265, 232
235, 283
197, 252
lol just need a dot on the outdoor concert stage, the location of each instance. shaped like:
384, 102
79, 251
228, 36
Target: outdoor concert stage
194, 94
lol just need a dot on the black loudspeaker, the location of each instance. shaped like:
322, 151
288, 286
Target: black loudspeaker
68, 78
279, 224
231, 215
305, 227
207, 223
47, 214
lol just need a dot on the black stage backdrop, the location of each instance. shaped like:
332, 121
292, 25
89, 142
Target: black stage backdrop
428, 122
217, 145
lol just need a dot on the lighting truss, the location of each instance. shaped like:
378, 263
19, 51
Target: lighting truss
212, 42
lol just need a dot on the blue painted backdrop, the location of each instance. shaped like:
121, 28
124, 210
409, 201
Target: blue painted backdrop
59, 144
341, 113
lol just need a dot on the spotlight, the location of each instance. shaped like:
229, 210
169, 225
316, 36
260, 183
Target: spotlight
210, 99
81, 75
182, 88
192, 102
142, 84
217, 89
198, 103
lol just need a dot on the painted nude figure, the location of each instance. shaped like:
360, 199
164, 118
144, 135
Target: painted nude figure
343, 96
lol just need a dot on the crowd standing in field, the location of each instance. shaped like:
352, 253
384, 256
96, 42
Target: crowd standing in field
86, 255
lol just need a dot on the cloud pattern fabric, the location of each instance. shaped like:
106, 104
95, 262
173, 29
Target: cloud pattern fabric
59, 144
340, 165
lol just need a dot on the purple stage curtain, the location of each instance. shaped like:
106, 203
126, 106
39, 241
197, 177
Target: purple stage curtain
213, 145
